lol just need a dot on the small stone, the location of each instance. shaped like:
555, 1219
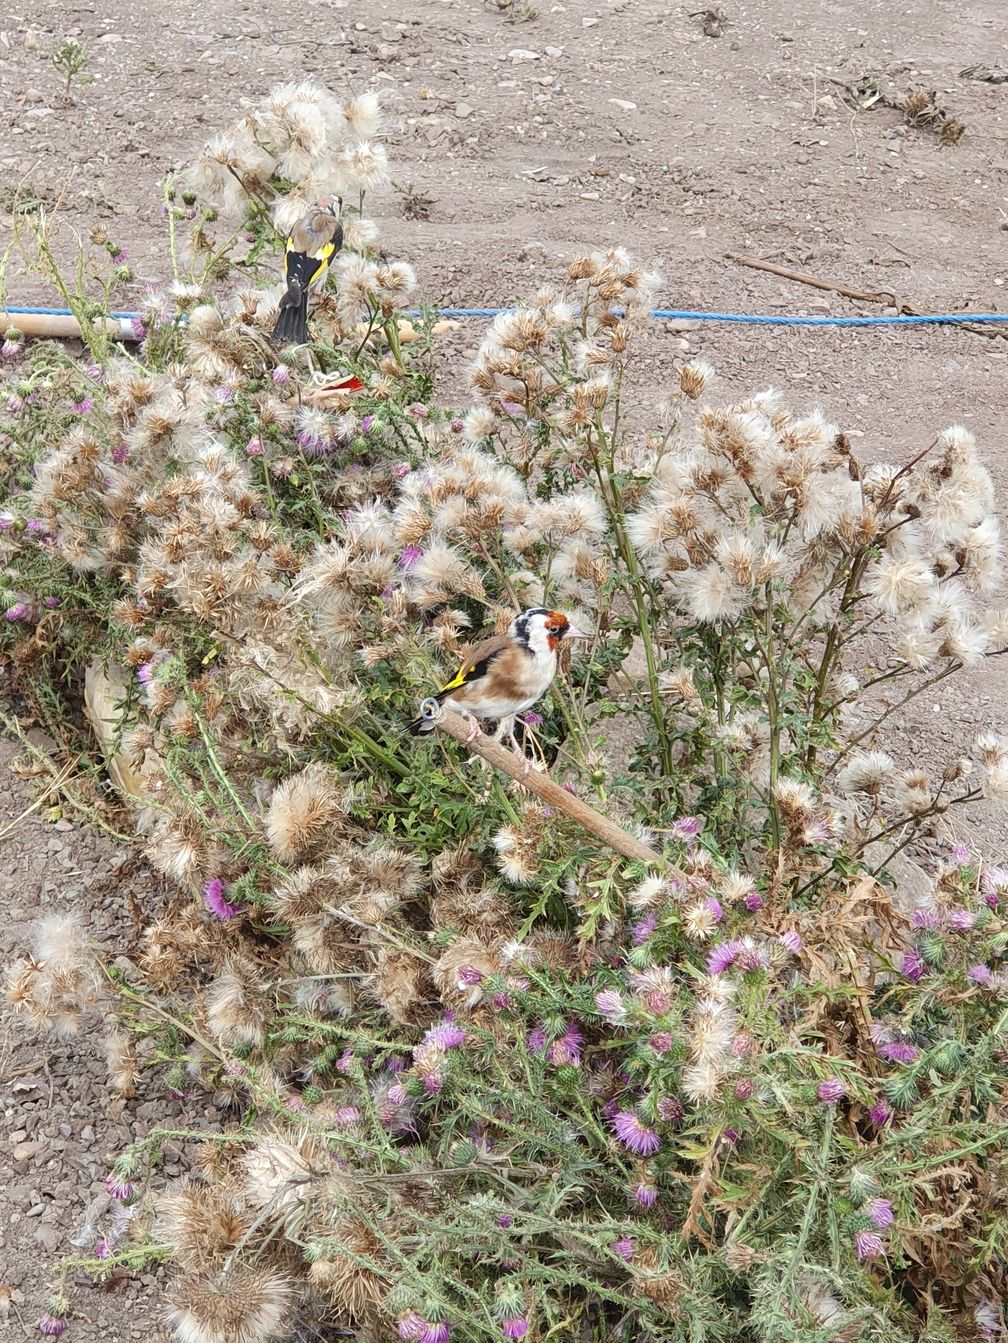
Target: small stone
519, 55
589, 195
588, 23
87, 1133
826, 103
623, 105
24, 1151
554, 51
65, 1130
36, 1210
390, 33
18, 1135
32, 95
110, 38
463, 110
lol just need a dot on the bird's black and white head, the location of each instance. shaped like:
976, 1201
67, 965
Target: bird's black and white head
542, 631
334, 204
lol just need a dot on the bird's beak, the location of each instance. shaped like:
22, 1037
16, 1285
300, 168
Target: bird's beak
572, 632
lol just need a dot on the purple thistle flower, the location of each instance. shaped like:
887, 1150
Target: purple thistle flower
6, 520
119, 454
567, 1050
645, 1195
896, 1051
625, 1247
661, 1042
82, 406
913, 967
412, 1326
981, 974
409, 556
254, 447
118, 1187
722, 957
880, 1211
960, 855
731, 1135
714, 906
753, 902
868, 1245
119, 256
345, 1060
791, 941
145, 672
398, 1094
501, 1001
10, 349
280, 375
53, 1325
961, 920
52, 603
367, 424
505, 1220
432, 1081
531, 719
643, 930
610, 1005
225, 394
880, 1114
832, 1090
687, 827
16, 612
93, 371
36, 526
346, 1116
744, 1089
515, 1327
102, 1250
445, 1035
536, 1041
138, 329
634, 1135
470, 977
436, 1332
924, 918
214, 893
670, 1109
457, 426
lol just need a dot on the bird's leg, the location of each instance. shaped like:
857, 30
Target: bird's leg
474, 727
516, 745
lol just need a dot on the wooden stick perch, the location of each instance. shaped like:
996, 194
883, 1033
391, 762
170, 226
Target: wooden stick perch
458, 727
56, 326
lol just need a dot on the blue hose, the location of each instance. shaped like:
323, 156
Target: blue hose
662, 314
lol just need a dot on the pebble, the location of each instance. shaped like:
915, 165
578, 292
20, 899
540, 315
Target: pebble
18, 1135
24, 1151
463, 110
519, 55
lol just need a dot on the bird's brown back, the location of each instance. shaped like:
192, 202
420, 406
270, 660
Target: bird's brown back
313, 231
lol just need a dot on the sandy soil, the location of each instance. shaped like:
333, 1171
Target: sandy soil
586, 125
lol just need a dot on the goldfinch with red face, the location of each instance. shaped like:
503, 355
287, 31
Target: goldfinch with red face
507, 674
313, 242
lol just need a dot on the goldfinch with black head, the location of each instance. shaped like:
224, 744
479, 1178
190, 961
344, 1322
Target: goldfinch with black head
507, 674
312, 243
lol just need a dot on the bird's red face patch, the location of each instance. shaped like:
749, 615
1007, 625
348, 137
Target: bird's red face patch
557, 626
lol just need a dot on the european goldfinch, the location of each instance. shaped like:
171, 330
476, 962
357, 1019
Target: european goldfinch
505, 675
313, 242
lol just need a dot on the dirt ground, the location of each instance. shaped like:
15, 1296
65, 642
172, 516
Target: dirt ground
584, 125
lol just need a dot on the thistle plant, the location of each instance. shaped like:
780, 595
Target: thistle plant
470, 1076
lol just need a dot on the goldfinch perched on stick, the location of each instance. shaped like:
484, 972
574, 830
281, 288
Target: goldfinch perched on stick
313, 242
505, 675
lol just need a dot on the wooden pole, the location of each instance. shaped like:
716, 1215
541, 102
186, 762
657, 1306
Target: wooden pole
458, 728
56, 326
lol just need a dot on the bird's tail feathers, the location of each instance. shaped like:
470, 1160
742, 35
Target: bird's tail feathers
421, 726
292, 323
